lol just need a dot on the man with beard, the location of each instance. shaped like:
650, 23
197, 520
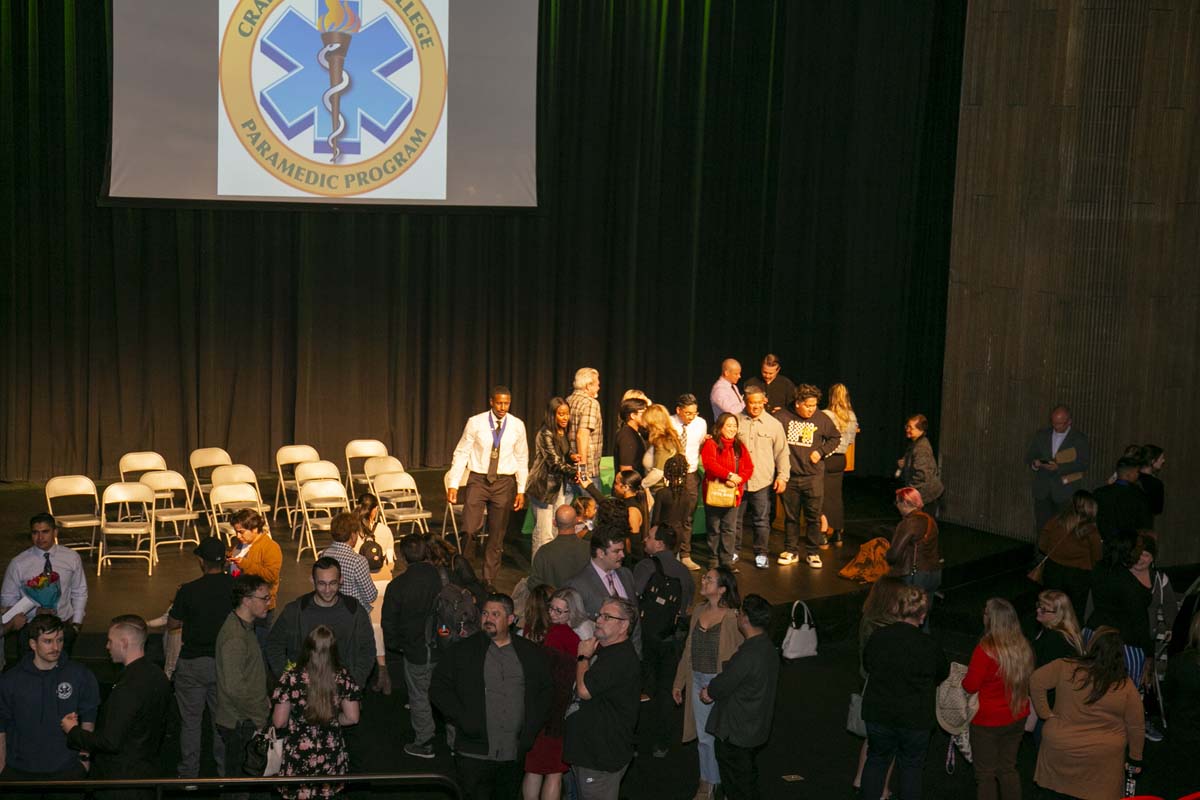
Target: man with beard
598, 742
495, 689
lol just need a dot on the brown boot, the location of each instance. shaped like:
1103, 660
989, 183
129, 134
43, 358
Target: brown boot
704, 791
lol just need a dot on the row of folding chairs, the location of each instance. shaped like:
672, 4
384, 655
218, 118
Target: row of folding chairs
128, 511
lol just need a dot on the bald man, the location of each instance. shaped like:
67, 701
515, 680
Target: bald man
725, 396
1058, 458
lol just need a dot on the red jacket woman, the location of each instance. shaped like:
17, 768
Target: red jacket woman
725, 461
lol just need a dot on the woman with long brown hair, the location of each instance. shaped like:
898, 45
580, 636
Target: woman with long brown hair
999, 673
1072, 546
312, 701
1096, 715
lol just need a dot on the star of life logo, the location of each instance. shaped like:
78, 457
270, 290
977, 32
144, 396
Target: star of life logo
336, 98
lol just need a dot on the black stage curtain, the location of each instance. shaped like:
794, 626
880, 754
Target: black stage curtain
716, 179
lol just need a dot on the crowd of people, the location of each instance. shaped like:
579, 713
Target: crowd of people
541, 690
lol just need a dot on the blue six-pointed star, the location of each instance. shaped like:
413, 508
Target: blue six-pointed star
371, 103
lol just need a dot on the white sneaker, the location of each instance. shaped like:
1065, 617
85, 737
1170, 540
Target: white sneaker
760, 561
687, 562
787, 557
734, 559
814, 561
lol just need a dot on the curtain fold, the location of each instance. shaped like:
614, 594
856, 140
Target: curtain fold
716, 179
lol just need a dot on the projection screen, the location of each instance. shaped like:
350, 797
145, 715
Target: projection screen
411, 102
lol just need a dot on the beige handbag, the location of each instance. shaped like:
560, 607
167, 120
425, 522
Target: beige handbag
719, 494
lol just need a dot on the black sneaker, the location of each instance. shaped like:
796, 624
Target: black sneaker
419, 750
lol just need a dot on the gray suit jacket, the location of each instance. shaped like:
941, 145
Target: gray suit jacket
593, 592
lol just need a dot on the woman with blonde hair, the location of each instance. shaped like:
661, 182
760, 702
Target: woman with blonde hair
312, 701
841, 413
664, 443
999, 673
1060, 636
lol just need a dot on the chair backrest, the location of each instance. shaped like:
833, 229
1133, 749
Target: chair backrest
141, 461
164, 480
294, 454
208, 457
128, 492
233, 493
233, 473
396, 482
364, 448
70, 486
378, 465
316, 470
323, 489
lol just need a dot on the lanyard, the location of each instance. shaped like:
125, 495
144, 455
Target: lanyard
497, 430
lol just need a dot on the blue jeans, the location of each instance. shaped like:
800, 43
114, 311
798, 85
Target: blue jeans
709, 771
907, 746
757, 506
722, 532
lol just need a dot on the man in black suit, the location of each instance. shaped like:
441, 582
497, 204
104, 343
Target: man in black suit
1059, 457
604, 577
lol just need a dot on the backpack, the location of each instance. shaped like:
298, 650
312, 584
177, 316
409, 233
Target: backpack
455, 615
660, 603
372, 551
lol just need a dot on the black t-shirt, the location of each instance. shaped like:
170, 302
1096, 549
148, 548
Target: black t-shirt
202, 606
1050, 646
600, 734
629, 449
669, 510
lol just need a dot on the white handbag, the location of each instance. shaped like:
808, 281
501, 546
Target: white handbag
800, 641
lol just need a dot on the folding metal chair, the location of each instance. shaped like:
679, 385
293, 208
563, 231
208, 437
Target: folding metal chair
138, 499
165, 510
240, 473
227, 498
356, 449
399, 500
287, 457
205, 458
320, 499
75, 486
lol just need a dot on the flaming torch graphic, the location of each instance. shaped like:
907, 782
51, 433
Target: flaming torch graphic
337, 25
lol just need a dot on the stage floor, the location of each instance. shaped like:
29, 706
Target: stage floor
125, 587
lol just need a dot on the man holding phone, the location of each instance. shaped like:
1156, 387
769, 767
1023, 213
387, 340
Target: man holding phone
1058, 457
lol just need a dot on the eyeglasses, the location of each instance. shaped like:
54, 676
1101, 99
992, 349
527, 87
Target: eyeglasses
265, 598
554, 610
610, 617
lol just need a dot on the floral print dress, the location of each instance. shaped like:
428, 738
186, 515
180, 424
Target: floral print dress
310, 748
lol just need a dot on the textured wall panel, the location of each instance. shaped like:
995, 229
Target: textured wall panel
1074, 259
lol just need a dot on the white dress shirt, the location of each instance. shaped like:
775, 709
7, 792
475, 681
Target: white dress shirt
474, 450
1056, 440
696, 429
73, 590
